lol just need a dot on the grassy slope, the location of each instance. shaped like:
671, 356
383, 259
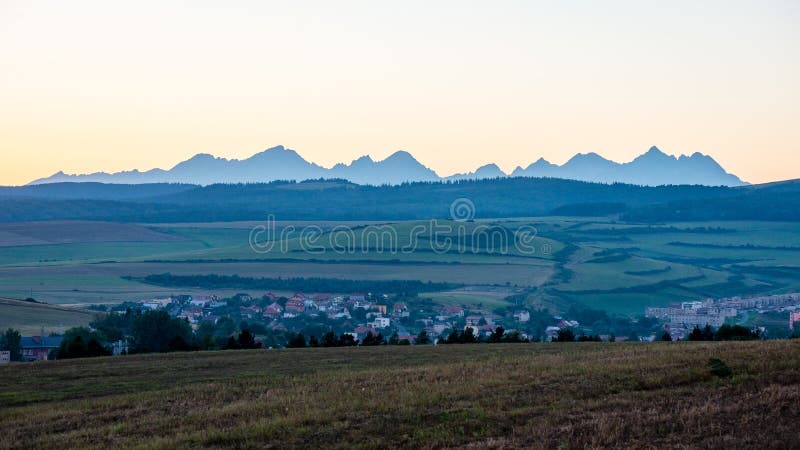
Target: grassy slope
30, 318
543, 395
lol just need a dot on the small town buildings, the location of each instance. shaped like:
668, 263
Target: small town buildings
693, 313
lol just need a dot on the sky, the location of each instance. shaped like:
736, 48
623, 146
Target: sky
90, 86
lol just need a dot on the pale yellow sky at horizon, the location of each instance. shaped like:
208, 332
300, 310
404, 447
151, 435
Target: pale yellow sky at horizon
105, 86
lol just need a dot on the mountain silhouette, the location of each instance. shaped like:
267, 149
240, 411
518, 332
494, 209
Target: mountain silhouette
652, 168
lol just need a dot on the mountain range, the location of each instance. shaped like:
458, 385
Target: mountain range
652, 168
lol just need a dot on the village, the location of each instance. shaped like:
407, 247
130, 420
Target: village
274, 319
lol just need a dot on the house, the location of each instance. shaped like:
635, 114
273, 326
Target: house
119, 348
522, 316
249, 311
37, 348
379, 308
452, 311
358, 297
310, 303
341, 313
439, 328
400, 309
191, 313
473, 320
273, 311
5, 357
363, 304
381, 322
295, 306
277, 326
217, 304
202, 300
320, 297
151, 305
244, 298
156, 303
552, 332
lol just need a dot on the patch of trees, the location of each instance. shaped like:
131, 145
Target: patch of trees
11, 341
499, 335
467, 336
245, 341
81, 342
406, 287
329, 339
724, 333
733, 247
564, 335
645, 273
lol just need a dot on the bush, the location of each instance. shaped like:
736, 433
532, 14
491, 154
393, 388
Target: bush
565, 335
719, 368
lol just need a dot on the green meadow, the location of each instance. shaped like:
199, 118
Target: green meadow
597, 262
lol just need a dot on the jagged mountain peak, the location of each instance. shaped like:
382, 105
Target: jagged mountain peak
653, 167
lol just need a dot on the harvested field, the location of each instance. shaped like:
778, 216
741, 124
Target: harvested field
572, 395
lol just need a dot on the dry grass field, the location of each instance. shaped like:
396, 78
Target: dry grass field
661, 395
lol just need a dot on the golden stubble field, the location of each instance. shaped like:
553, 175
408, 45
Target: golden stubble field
597, 395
